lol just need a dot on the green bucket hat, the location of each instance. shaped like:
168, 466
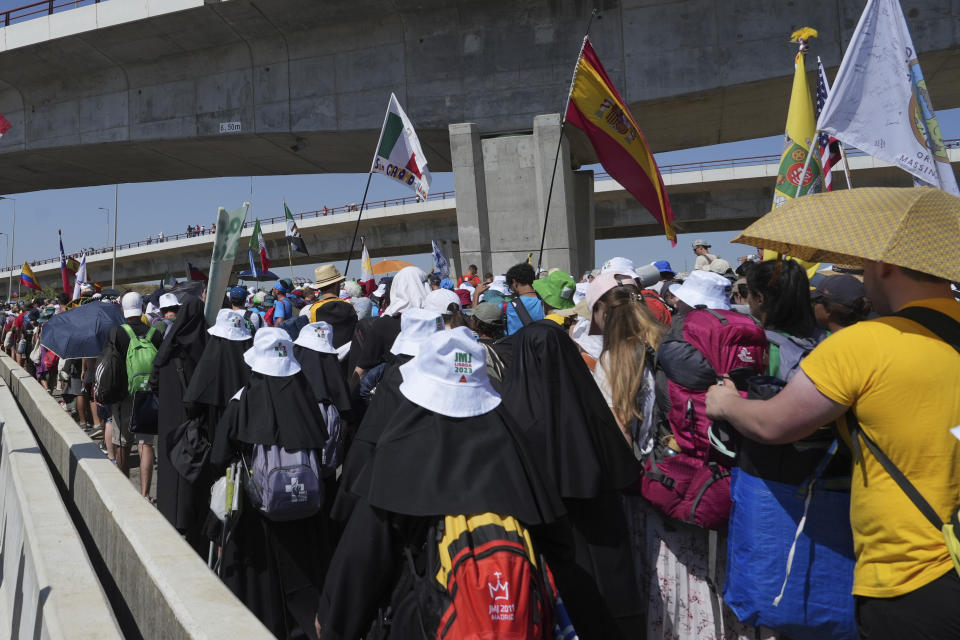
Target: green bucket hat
556, 289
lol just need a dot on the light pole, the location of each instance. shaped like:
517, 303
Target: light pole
107, 236
13, 243
6, 238
116, 215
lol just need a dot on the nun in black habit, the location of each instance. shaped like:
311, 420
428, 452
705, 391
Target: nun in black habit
275, 568
449, 448
313, 348
221, 371
182, 503
566, 422
416, 326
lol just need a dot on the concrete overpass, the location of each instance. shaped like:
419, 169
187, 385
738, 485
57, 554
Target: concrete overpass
123, 91
717, 195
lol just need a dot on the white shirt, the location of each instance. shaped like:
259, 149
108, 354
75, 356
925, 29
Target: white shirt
703, 262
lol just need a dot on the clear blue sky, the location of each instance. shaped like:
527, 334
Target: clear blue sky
148, 208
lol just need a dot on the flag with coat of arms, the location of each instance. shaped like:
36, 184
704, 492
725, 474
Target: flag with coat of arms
880, 103
798, 176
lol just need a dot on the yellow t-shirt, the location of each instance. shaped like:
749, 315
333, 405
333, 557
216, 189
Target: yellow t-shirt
904, 386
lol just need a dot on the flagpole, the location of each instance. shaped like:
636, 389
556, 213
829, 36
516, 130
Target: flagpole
846, 168
363, 202
356, 227
289, 255
563, 122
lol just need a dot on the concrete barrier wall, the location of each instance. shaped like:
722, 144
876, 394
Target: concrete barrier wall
165, 587
48, 586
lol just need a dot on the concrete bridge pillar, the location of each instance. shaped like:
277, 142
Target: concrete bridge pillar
502, 186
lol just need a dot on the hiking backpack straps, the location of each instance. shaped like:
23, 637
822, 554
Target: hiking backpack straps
521, 310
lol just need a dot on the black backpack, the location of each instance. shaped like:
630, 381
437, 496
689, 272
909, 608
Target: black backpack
110, 383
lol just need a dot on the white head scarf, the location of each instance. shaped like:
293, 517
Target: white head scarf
406, 291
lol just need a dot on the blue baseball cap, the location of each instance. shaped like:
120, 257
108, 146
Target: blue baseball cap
664, 267
238, 293
280, 287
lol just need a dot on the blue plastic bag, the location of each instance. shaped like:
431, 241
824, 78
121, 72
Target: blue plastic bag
817, 600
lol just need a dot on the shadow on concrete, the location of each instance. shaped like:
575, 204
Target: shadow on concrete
38, 620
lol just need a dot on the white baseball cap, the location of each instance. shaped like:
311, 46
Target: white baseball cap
132, 304
168, 300
230, 326
316, 336
440, 300
416, 326
449, 376
705, 288
272, 353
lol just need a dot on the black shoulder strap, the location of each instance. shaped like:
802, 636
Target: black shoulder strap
521, 310
905, 485
717, 315
940, 324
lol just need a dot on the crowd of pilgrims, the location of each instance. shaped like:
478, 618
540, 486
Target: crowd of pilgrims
541, 410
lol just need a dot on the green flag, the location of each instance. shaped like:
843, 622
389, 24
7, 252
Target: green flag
229, 228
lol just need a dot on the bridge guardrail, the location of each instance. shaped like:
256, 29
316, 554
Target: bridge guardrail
160, 584
48, 585
43, 8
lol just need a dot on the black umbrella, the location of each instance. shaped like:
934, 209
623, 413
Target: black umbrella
81, 332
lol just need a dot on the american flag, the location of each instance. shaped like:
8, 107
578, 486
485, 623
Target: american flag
828, 147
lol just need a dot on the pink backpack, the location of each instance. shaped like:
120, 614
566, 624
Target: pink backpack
685, 476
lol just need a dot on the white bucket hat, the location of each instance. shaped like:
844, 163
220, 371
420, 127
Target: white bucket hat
500, 284
449, 376
440, 300
317, 336
647, 274
272, 353
705, 288
168, 300
623, 266
230, 326
416, 326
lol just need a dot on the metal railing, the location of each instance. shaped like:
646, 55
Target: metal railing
43, 8
320, 213
682, 167
749, 161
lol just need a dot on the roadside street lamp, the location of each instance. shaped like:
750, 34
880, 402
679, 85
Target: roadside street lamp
13, 242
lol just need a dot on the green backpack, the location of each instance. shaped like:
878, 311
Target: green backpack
140, 355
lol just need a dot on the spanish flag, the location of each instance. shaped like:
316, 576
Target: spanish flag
27, 279
598, 110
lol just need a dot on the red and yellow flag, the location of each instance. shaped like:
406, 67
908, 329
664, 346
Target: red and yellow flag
598, 110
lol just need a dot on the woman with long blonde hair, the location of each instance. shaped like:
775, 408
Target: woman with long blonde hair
631, 335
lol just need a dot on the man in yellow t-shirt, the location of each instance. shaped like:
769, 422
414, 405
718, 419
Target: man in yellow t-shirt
903, 384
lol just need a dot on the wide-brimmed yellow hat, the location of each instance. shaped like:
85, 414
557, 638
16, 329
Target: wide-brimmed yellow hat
327, 274
913, 227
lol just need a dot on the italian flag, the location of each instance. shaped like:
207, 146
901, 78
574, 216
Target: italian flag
399, 155
258, 245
